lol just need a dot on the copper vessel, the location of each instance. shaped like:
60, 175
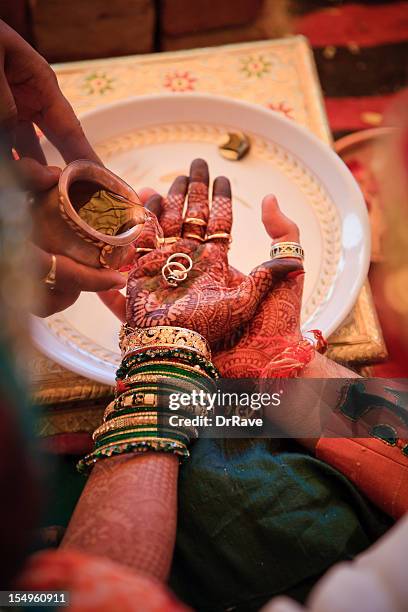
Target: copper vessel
58, 227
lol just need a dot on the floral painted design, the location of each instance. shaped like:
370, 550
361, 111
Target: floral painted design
178, 81
281, 107
255, 66
98, 83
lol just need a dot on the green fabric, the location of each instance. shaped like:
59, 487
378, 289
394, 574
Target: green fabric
65, 486
255, 520
254, 523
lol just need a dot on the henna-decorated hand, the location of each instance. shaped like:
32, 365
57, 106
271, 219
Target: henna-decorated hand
214, 299
276, 324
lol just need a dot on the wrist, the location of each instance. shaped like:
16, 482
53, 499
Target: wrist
157, 363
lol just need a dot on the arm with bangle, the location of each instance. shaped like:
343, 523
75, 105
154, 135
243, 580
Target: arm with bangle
128, 509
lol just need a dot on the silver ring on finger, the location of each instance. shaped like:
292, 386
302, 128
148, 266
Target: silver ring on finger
175, 272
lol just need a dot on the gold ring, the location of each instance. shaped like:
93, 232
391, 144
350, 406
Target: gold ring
144, 250
193, 236
287, 249
220, 236
51, 278
195, 221
168, 240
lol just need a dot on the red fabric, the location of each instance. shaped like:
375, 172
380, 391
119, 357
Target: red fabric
96, 584
357, 26
356, 113
380, 471
356, 23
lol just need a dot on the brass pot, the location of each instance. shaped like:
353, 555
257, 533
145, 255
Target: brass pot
59, 226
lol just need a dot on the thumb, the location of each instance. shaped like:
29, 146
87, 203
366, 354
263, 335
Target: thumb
116, 302
73, 276
246, 298
278, 225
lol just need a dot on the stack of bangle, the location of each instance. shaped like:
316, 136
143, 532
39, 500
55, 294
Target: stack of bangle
156, 362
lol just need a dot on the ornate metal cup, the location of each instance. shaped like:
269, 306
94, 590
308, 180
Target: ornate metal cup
91, 216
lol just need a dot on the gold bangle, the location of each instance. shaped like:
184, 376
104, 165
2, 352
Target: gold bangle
113, 410
153, 388
195, 221
146, 397
193, 236
220, 236
165, 336
144, 250
159, 378
187, 368
115, 407
169, 240
50, 279
122, 421
162, 423
287, 249
150, 402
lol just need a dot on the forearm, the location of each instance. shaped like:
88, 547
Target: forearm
306, 406
323, 367
128, 512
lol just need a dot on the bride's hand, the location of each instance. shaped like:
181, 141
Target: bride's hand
276, 324
213, 300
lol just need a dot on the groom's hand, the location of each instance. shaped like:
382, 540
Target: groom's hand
71, 277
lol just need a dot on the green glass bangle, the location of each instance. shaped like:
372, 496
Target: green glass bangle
162, 430
145, 387
203, 383
163, 353
85, 464
129, 410
145, 434
135, 410
165, 389
156, 367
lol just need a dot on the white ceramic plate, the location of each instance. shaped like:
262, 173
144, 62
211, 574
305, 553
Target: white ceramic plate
151, 139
